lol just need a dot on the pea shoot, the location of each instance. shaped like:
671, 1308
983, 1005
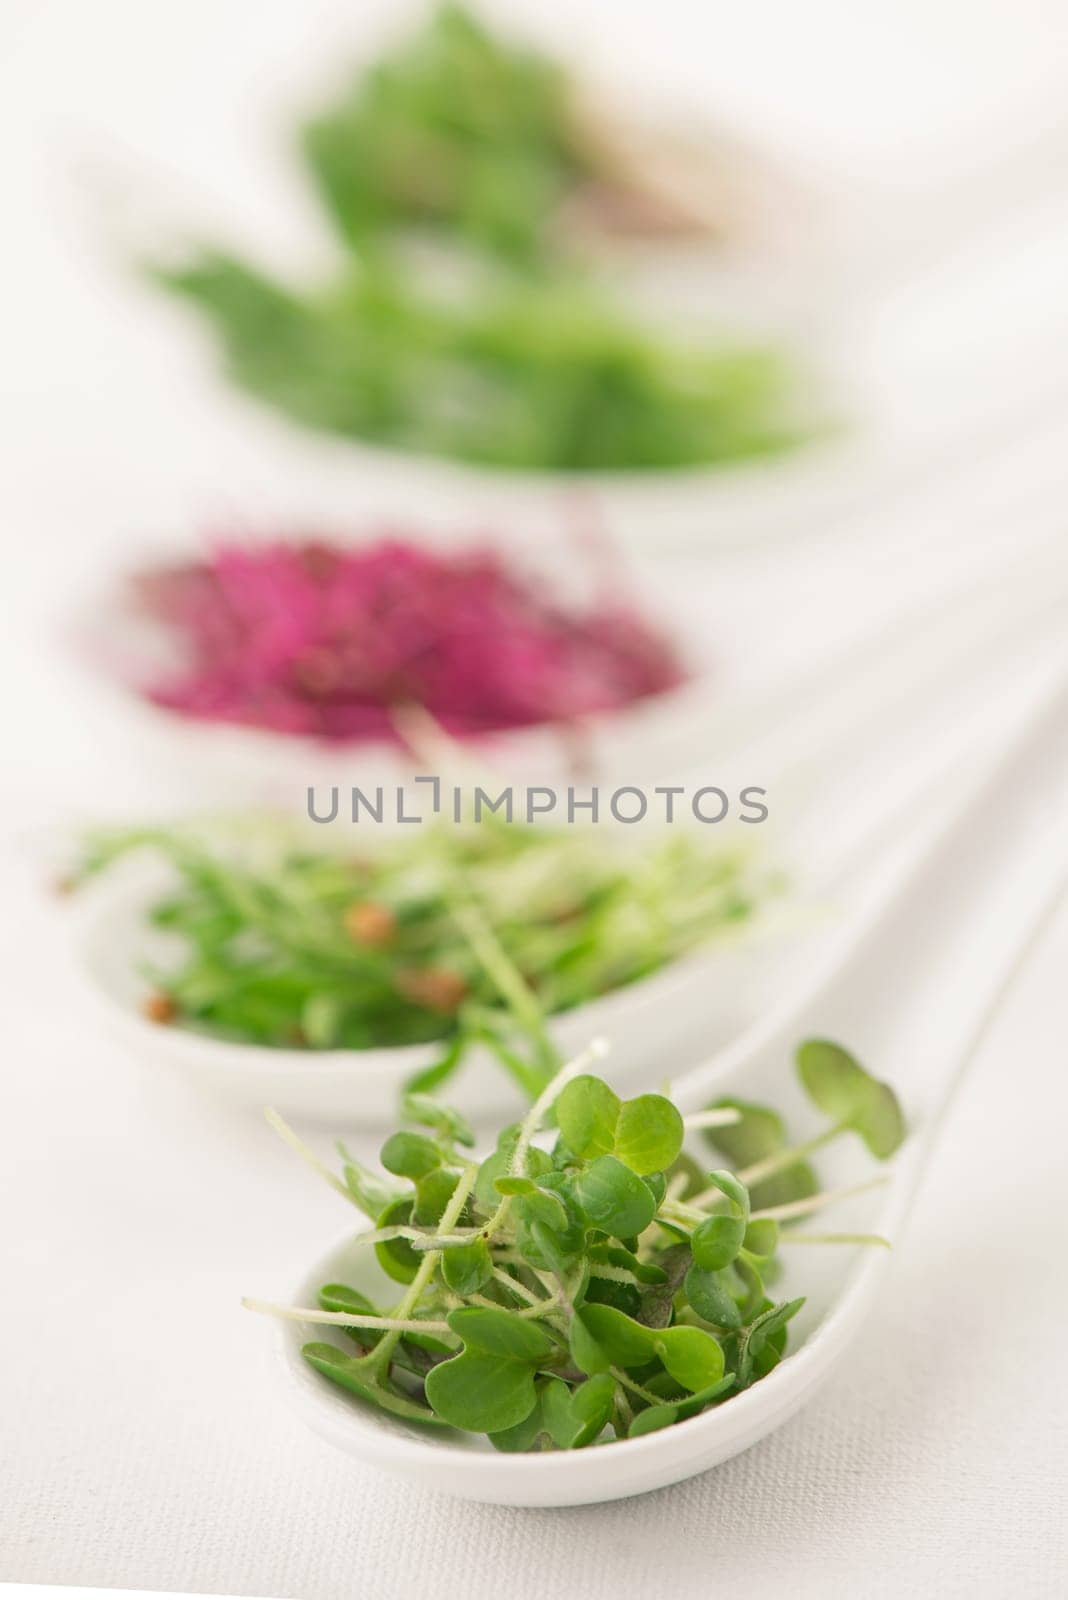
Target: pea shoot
499, 346
599, 1287
467, 936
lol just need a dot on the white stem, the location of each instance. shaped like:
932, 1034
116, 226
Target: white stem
722, 1118
532, 1121
345, 1319
295, 1142
815, 1202
836, 1238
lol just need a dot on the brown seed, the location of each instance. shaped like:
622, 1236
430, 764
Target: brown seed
370, 923
160, 1007
436, 988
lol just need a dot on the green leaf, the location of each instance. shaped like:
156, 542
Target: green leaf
762, 1238
716, 1241
500, 1333
410, 1155
602, 1337
616, 1255
510, 1185
652, 1419
758, 1133
644, 1133
614, 1198
557, 1415
467, 1268
710, 1296
837, 1083
396, 1256
586, 1114
523, 1436
340, 1297
347, 1372
482, 1393
692, 1356
649, 1133
368, 1190
432, 1195
446, 1123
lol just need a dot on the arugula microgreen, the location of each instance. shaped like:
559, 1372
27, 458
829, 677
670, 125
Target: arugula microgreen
605, 1287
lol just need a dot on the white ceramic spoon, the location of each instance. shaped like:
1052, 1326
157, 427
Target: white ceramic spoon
910, 994
696, 1001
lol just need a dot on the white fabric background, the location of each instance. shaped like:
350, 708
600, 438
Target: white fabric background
141, 1442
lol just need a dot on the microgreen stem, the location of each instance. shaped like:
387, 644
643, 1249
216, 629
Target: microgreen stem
635, 1388
276, 1121
505, 974
520, 1289
723, 1118
345, 1319
383, 1351
532, 1121
781, 1159
815, 1202
790, 1237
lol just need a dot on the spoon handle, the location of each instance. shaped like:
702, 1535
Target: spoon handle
910, 983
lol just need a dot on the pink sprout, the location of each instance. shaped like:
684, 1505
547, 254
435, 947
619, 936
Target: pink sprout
323, 640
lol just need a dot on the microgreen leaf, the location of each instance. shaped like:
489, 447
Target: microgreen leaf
851, 1097
432, 1195
649, 1133
717, 1240
396, 1256
410, 1155
709, 1294
602, 1337
691, 1355
347, 1372
500, 1333
762, 1238
430, 1113
467, 1268
368, 1190
489, 1387
615, 1198
481, 1393
587, 1111
644, 1133
758, 1132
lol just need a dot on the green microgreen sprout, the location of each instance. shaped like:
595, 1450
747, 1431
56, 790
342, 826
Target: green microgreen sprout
498, 345
468, 937
598, 1287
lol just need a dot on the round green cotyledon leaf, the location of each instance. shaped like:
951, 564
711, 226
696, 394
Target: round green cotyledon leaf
850, 1096
467, 1268
645, 1133
410, 1155
396, 1256
692, 1356
614, 1198
480, 1392
710, 1296
649, 1133
586, 1114
603, 1337
349, 1374
500, 1332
